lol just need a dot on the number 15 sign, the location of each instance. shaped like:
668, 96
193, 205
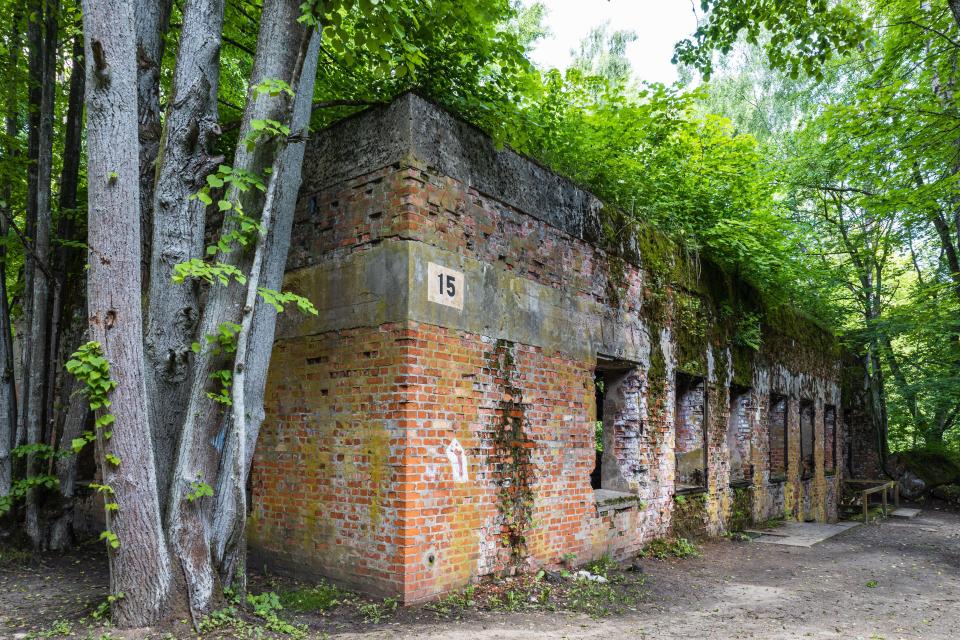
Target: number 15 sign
445, 286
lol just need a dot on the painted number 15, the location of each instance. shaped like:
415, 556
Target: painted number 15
445, 286
448, 284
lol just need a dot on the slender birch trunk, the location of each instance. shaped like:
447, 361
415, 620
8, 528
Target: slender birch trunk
140, 565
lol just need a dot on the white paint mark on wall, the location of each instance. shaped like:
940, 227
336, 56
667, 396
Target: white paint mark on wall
458, 461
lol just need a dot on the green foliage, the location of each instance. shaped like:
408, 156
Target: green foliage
222, 394
377, 612
209, 272
455, 604
661, 549
102, 612
88, 365
20, 488
111, 539
199, 490
803, 34
39, 451
261, 129
318, 598
277, 299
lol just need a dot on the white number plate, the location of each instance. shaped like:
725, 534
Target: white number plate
445, 286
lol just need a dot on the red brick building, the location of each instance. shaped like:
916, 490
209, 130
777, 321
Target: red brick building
480, 340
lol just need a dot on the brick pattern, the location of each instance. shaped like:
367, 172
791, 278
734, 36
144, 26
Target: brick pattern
777, 422
690, 455
628, 446
740, 436
807, 439
409, 459
328, 473
413, 203
830, 438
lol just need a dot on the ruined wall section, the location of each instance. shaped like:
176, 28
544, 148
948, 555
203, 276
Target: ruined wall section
483, 406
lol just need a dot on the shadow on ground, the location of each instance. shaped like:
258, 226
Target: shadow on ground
897, 579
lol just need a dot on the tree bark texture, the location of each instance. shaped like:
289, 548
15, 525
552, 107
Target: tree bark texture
8, 385
34, 98
280, 49
140, 565
153, 20
35, 384
184, 161
255, 344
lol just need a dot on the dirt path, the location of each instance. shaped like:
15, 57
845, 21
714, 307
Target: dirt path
900, 579
744, 590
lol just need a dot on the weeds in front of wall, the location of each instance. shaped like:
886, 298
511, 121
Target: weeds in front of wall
610, 590
737, 536
676, 548
376, 612
771, 523
319, 598
455, 604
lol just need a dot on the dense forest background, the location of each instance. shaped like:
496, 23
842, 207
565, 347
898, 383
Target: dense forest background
812, 148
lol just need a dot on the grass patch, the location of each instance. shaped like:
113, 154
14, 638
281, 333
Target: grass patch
319, 598
616, 592
376, 612
662, 549
12, 556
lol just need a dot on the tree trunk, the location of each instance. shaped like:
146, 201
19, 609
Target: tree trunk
8, 384
140, 565
34, 98
35, 385
69, 306
75, 419
280, 52
153, 20
185, 159
255, 342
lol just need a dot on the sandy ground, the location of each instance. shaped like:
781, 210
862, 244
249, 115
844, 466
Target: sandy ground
899, 579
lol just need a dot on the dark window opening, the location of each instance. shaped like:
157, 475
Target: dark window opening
777, 428
807, 439
847, 444
614, 383
740, 435
599, 388
690, 444
830, 439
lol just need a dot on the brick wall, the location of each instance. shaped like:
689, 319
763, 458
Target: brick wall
740, 435
412, 447
777, 422
689, 448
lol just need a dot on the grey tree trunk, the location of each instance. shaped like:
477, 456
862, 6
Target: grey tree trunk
35, 384
34, 98
8, 385
140, 565
280, 53
69, 309
153, 20
255, 342
185, 159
